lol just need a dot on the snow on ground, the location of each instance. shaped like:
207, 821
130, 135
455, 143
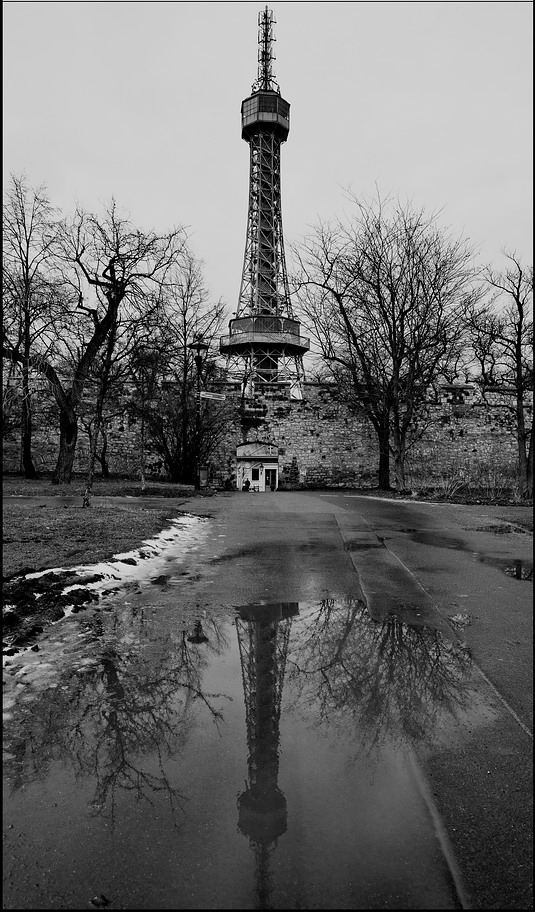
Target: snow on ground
128, 566
184, 535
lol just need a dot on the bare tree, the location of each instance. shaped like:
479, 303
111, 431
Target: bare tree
149, 356
107, 261
111, 372
107, 391
29, 297
501, 331
103, 381
164, 371
383, 293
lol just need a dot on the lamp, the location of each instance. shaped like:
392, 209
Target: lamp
198, 345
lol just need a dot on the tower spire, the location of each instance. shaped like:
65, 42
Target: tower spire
266, 77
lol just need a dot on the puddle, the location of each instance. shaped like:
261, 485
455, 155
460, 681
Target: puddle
516, 569
261, 757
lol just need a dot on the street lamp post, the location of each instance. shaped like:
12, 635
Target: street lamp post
198, 346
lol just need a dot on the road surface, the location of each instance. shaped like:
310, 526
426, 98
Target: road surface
307, 700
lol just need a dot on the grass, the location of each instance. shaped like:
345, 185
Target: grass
39, 536
111, 487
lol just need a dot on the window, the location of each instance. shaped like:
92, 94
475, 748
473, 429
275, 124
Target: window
268, 103
284, 108
255, 474
250, 106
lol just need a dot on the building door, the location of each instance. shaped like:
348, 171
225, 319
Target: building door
271, 479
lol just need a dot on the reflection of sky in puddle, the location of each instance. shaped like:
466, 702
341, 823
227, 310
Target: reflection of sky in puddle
269, 766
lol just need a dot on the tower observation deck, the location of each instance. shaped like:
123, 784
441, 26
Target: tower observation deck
264, 343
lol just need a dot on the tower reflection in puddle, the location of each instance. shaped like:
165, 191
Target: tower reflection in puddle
263, 635
381, 685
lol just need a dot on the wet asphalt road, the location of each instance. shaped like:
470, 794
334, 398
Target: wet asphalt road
348, 728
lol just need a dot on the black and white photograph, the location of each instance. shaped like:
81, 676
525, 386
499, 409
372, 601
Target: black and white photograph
267, 390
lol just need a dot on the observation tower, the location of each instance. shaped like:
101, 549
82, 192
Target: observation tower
263, 637
264, 346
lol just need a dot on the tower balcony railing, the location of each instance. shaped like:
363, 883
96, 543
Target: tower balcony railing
264, 323
264, 328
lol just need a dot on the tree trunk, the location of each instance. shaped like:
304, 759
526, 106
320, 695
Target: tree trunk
529, 474
93, 439
93, 442
103, 458
183, 449
521, 443
26, 440
399, 472
26, 429
142, 470
68, 434
383, 434
399, 460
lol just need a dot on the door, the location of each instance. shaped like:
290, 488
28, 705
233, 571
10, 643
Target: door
271, 479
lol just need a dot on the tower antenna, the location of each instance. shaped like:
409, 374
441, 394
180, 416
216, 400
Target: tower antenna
265, 81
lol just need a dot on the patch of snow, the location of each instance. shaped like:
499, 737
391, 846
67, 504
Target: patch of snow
39, 573
67, 611
187, 530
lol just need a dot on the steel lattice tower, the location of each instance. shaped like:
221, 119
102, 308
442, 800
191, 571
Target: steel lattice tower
264, 345
263, 635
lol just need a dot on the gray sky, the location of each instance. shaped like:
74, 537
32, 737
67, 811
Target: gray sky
141, 100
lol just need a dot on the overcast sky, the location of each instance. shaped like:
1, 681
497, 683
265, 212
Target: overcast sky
141, 101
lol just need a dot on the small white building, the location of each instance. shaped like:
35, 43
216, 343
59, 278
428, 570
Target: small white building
257, 463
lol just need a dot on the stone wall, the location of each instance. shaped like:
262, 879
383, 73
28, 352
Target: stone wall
123, 433
331, 446
461, 433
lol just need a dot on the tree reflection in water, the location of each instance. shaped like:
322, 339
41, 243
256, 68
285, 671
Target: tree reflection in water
120, 718
397, 681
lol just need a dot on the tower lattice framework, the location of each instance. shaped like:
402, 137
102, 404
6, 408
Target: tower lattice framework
263, 636
264, 346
